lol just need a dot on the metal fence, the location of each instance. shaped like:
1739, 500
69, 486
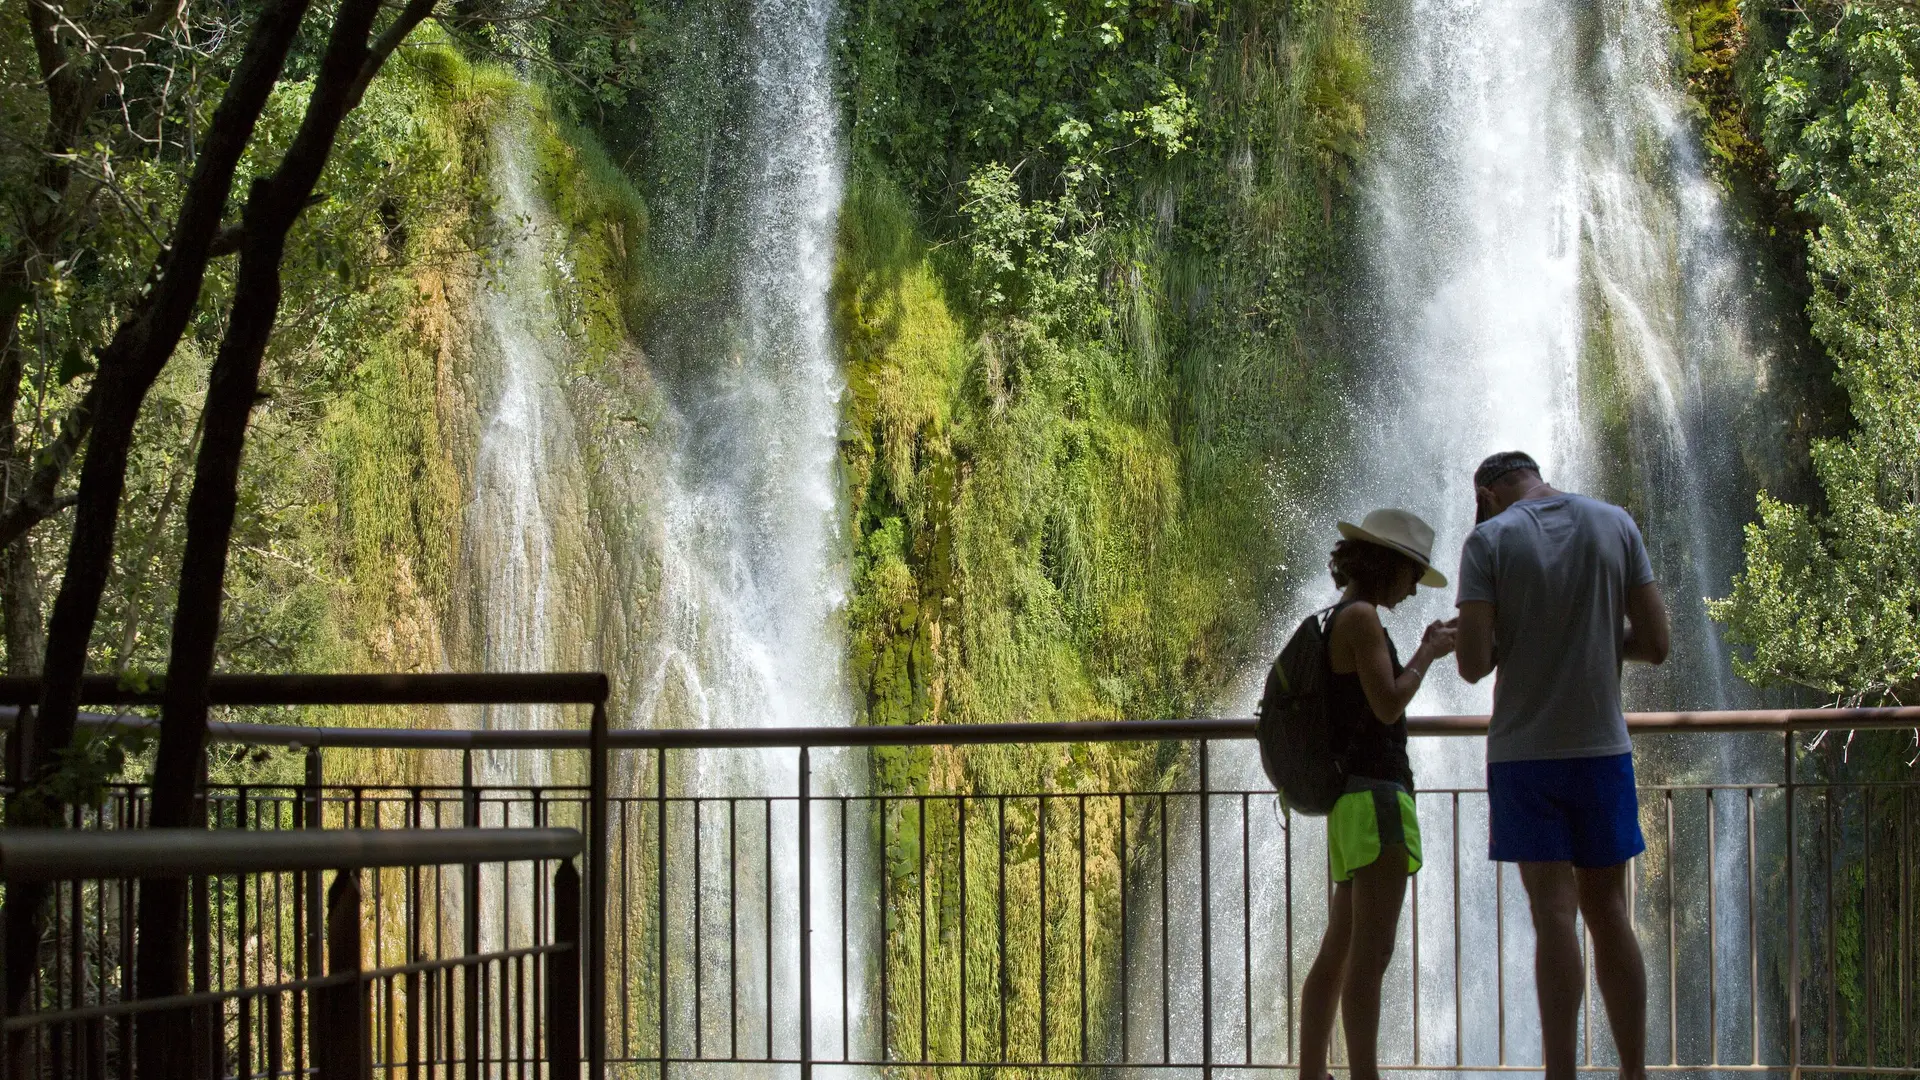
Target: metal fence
1165, 923
514, 1009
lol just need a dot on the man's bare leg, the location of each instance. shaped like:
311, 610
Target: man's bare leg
1617, 964
1320, 994
1560, 979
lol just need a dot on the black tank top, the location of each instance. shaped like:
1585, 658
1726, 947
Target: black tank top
1374, 750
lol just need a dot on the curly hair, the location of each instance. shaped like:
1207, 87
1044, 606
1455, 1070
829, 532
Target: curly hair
1370, 566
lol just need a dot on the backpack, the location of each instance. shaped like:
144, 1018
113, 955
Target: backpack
1303, 755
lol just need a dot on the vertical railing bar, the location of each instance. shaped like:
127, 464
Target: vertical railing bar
660, 909
1040, 811
805, 826
1753, 945
1286, 841
846, 1029
699, 952
920, 809
1000, 955
1673, 939
1206, 916
1081, 836
1713, 929
1793, 911
1126, 968
767, 939
960, 804
1246, 926
1500, 954
1166, 964
627, 901
414, 953
1414, 888
1866, 918
471, 1003
594, 970
1833, 980
1906, 920
733, 928
880, 811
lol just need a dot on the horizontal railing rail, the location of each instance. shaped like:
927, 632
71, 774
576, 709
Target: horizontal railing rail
1726, 722
118, 854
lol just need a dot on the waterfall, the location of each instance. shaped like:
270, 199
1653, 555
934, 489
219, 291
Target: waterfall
526, 470
1548, 269
744, 624
696, 555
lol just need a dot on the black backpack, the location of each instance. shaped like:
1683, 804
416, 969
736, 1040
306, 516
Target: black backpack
1304, 757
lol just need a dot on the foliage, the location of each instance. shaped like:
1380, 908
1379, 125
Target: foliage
1831, 596
1086, 262
1081, 305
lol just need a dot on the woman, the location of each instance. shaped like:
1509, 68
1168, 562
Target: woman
1373, 836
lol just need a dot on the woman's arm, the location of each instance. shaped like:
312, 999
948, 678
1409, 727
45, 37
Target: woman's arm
1357, 633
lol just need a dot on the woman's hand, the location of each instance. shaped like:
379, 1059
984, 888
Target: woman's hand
1439, 639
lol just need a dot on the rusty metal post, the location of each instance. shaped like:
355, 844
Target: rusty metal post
563, 977
470, 929
598, 875
1793, 918
310, 799
340, 1012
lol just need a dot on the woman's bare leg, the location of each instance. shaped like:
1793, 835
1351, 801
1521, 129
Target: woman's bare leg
1379, 889
1321, 993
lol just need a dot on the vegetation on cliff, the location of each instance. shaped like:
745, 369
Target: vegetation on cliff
1088, 263
1830, 599
1087, 266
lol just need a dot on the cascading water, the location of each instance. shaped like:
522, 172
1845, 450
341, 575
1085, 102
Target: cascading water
526, 467
720, 525
742, 629
1549, 271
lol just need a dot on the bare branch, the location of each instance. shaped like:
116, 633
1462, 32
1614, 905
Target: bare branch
41, 499
382, 47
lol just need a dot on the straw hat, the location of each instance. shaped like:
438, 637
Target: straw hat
1404, 533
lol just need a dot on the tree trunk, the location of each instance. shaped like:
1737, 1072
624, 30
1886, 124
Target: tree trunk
130, 363
273, 205
25, 629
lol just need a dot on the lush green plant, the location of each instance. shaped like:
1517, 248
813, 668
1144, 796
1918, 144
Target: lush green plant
1830, 599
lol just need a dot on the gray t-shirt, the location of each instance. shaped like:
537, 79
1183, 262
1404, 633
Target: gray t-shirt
1556, 571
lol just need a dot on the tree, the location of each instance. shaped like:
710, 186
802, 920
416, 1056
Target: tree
131, 56
140, 347
1830, 598
353, 57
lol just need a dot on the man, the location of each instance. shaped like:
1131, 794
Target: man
1556, 591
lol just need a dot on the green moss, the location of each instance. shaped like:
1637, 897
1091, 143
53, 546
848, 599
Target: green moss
1090, 365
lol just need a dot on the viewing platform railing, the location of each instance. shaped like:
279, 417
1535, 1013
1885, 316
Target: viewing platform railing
982, 911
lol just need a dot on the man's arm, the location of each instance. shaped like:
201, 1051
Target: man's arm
1648, 637
1474, 646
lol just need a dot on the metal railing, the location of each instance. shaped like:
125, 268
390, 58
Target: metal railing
515, 1007
1163, 922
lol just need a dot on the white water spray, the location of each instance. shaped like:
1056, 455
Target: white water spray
744, 627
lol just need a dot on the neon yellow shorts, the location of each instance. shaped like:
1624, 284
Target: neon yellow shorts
1362, 822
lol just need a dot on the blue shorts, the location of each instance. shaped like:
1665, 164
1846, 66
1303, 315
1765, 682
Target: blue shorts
1585, 811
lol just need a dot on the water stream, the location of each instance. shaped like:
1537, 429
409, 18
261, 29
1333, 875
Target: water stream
743, 626
727, 550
